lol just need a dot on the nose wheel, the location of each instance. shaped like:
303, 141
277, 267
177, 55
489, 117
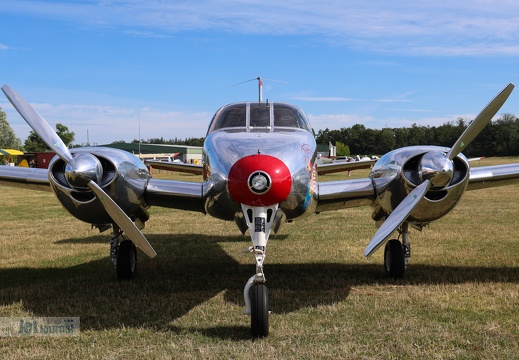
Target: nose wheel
259, 320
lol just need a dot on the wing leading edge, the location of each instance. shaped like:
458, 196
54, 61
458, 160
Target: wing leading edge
492, 176
172, 166
175, 194
25, 178
342, 194
340, 166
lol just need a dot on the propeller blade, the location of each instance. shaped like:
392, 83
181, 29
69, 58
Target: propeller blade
397, 217
480, 122
38, 123
122, 220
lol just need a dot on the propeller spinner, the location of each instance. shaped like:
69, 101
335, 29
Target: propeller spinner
82, 171
436, 170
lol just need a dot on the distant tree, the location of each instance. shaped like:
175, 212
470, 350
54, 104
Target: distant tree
34, 143
385, 141
341, 149
417, 135
194, 142
7, 137
65, 134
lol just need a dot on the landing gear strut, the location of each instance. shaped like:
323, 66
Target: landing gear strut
123, 256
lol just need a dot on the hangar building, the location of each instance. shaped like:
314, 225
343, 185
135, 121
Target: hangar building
187, 154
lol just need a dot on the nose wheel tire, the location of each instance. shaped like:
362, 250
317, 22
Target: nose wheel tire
126, 265
259, 297
394, 261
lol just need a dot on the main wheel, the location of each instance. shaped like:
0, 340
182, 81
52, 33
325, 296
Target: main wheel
259, 320
126, 260
394, 262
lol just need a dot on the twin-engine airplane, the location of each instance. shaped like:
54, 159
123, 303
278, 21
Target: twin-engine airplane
260, 170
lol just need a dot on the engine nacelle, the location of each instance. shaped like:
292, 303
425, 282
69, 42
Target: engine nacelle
398, 172
124, 177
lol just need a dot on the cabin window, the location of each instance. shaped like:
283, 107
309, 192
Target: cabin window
285, 116
259, 117
234, 116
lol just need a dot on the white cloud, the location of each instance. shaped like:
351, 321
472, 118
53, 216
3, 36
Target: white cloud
3, 47
453, 28
106, 124
322, 99
336, 121
397, 99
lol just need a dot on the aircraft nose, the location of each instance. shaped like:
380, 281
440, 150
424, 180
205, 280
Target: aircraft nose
259, 180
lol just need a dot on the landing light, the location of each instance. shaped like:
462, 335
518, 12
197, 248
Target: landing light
259, 182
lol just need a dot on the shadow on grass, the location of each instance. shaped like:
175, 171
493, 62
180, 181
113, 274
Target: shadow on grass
192, 269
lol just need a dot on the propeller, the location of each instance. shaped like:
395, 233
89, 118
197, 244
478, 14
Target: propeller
82, 171
436, 170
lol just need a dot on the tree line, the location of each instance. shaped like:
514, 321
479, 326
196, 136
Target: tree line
174, 141
499, 138
33, 143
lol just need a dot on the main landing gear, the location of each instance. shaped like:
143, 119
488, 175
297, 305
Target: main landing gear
396, 254
123, 254
259, 220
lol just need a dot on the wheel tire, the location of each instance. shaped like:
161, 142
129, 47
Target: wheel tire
259, 323
126, 260
394, 261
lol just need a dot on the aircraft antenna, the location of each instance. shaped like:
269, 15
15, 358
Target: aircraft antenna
260, 85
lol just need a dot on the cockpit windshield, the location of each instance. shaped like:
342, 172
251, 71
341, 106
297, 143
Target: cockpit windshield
259, 117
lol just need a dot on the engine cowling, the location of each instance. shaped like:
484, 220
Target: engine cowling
120, 174
398, 172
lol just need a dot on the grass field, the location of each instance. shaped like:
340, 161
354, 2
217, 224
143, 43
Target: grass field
459, 299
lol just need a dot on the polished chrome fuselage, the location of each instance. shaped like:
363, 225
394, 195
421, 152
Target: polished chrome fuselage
296, 148
126, 179
278, 130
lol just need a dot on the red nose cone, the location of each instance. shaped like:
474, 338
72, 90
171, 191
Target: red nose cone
259, 180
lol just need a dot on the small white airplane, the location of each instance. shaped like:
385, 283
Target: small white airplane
259, 169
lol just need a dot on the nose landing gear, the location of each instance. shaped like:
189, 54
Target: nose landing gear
259, 220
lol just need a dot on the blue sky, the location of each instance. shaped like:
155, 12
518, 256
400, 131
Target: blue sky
106, 67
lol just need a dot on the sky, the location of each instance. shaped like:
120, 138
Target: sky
119, 70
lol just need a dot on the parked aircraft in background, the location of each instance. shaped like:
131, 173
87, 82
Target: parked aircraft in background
259, 169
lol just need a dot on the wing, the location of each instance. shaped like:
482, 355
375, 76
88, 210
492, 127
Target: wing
175, 194
342, 194
491, 176
172, 166
340, 166
26, 178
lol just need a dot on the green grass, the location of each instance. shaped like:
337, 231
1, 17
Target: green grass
459, 299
